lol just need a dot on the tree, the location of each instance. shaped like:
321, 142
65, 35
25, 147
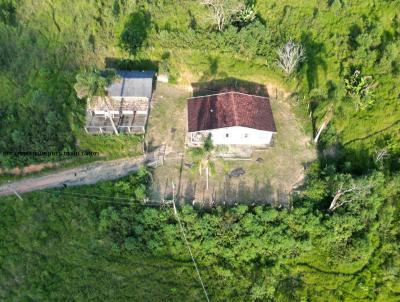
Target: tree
360, 88
203, 157
289, 57
222, 11
349, 190
244, 16
93, 83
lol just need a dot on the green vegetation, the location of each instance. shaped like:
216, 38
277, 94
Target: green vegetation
337, 241
202, 158
92, 83
100, 242
42, 53
111, 146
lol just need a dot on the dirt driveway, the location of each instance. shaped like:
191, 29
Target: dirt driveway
270, 174
83, 175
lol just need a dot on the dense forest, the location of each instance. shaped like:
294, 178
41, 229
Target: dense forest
101, 243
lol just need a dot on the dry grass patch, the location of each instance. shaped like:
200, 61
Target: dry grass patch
270, 174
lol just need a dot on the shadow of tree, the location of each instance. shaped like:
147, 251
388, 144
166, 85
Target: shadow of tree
149, 145
373, 133
193, 21
314, 52
212, 71
358, 156
135, 31
190, 191
354, 32
229, 192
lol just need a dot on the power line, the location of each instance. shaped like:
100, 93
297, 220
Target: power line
95, 195
89, 196
187, 243
110, 198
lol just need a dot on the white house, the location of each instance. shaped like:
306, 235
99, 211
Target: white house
125, 109
231, 118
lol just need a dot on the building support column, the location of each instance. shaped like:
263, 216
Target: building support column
112, 123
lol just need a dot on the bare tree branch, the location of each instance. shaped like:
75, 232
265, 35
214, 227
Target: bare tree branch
381, 155
289, 56
348, 195
223, 10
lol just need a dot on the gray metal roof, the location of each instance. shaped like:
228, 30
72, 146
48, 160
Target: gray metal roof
132, 83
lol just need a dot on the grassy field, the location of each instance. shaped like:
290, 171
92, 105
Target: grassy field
111, 146
53, 251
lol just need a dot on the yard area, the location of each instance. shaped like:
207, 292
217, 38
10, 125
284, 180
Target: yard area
270, 174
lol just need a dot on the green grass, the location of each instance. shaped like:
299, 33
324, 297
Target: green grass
52, 250
111, 146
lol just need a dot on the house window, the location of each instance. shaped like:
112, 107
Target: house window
227, 135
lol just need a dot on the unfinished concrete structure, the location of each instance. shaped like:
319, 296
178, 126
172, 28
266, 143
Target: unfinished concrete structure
125, 108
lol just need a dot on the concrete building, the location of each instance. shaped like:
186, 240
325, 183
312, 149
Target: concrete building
231, 118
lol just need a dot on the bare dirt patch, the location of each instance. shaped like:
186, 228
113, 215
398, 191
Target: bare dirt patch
167, 121
29, 169
270, 174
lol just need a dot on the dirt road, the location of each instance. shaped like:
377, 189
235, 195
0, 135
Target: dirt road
83, 175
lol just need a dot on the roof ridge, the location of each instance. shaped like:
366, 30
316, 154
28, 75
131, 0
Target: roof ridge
202, 96
228, 92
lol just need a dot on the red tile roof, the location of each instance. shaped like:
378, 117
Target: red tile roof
228, 110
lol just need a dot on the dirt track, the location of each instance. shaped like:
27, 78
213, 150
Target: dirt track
83, 175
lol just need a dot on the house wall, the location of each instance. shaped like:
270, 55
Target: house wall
141, 104
240, 136
131, 98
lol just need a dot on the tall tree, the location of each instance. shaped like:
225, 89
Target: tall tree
203, 158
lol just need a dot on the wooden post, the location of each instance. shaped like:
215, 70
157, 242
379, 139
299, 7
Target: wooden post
207, 177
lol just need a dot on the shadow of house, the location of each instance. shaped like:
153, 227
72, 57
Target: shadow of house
127, 64
229, 84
